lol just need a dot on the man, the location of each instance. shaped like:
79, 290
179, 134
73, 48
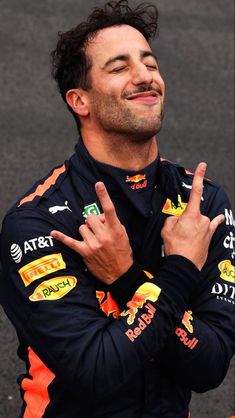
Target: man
122, 298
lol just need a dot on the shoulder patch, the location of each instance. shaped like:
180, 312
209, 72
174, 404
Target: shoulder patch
53, 289
41, 267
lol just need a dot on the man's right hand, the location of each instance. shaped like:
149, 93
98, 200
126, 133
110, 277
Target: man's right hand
190, 234
105, 247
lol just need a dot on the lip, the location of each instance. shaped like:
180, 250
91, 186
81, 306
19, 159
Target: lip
148, 97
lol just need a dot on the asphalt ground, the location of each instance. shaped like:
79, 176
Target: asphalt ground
195, 53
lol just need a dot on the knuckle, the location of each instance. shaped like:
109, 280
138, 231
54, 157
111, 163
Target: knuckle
91, 218
197, 188
94, 247
109, 208
98, 246
103, 242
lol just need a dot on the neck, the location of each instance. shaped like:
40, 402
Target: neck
121, 151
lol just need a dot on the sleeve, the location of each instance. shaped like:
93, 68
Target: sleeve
52, 301
199, 353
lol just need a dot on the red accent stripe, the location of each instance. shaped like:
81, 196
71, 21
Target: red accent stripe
36, 389
42, 188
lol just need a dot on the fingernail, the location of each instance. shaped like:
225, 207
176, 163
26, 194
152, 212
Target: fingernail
203, 166
99, 186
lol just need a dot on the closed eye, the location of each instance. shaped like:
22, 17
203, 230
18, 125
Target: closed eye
152, 67
118, 69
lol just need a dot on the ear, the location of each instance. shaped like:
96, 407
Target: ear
77, 100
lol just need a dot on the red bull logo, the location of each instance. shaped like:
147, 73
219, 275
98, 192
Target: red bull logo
183, 336
143, 321
146, 292
109, 306
139, 181
186, 321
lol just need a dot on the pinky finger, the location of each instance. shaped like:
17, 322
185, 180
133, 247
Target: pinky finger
216, 222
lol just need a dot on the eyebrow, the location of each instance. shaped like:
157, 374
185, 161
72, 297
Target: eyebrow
126, 57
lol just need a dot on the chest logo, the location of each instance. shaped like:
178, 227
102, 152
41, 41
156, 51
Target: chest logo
170, 209
189, 186
227, 271
91, 209
137, 181
55, 209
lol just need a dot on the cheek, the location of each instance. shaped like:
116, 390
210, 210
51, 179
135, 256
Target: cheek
162, 84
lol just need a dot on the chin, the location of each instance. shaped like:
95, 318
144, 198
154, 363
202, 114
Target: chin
144, 135
151, 130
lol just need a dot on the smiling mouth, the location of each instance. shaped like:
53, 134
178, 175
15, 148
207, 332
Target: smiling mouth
148, 97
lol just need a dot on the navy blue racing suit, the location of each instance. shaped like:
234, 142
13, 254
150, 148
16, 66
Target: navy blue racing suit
133, 349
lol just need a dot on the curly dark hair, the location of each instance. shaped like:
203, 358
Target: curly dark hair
71, 65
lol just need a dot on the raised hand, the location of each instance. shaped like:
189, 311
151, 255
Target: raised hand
105, 247
190, 234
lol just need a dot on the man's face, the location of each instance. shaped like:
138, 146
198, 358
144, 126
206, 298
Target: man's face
127, 93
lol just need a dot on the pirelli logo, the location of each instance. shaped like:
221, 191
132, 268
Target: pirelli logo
41, 267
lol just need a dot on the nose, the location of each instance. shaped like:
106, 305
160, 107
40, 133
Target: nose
142, 75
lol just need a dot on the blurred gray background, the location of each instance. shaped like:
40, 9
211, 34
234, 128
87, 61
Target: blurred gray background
195, 53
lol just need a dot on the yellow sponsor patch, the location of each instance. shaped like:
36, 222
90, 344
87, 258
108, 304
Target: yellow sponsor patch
170, 209
227, 271
53, 289
41, 267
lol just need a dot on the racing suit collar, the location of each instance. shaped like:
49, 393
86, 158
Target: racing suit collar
138, 187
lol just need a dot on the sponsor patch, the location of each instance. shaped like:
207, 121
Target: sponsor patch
55, 209
183, 336
227, 271
53, 289
91, 210
143, 321
137, 181
229, 243
224, 291
229, 217
108, 305
41, 267
170, 209
146, 292
189, 187
29, 246
16, 253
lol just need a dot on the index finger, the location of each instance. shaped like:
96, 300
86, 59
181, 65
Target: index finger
194, 203
107, 204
